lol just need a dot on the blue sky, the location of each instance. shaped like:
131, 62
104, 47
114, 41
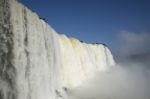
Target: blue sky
95, 20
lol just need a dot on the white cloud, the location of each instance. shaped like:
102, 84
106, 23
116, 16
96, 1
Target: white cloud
134, 43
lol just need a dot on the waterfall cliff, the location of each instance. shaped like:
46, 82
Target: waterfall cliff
38, 63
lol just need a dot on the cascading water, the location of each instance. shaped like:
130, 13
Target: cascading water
38, 63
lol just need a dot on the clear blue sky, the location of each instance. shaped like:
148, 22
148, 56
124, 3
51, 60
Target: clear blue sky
94, 20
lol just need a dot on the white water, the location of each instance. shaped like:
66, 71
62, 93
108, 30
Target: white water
80, 61
44, 64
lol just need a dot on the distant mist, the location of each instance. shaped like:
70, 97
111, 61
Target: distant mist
132, 47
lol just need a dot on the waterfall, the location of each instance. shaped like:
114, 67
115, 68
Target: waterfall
38, 63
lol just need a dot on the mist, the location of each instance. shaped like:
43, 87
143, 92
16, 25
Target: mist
120, 82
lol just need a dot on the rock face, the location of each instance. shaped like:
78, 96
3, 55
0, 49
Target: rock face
38, 63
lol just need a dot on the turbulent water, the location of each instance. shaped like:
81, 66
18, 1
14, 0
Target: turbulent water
38, 63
